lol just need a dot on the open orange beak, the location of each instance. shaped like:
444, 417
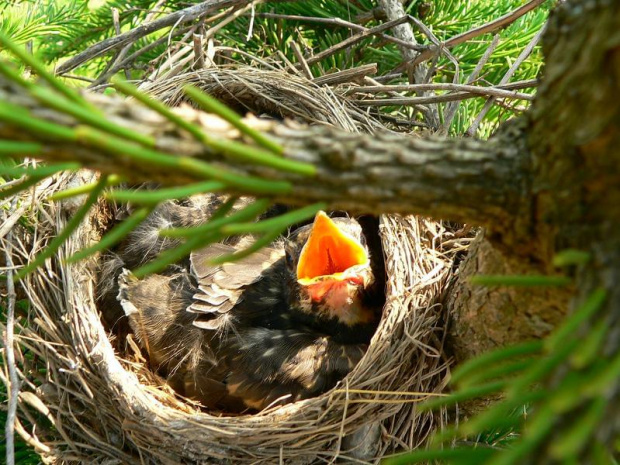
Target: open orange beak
329, 252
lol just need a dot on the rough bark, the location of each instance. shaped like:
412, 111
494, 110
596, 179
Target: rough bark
483, 182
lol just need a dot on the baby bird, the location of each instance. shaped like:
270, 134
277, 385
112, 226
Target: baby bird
284, 324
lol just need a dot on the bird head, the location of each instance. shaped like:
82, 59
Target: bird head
331, 265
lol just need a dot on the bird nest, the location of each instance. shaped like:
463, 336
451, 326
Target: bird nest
81, 400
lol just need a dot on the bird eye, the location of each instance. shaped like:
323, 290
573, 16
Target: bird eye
289, 259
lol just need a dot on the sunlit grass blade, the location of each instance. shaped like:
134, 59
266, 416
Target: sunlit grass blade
592, 304
13, 147
117, 234
520, 280
83, 189
213, 105
281, 222
152, 197
70, 227
246, 214
192, 166
499, 355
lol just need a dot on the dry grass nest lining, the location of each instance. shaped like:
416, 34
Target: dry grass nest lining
105, 409
271, 92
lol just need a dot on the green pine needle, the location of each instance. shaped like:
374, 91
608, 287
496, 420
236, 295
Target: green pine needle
494, 371
520, 280
154, 104
192, 166
113, 237
153, 197
607, 378
86, 115
592, 304
460, 455
281, 222
41, 171
214, 106
22, 118
570, 257
216, 223
40, 69
541, 369
540, 426
71, 226
13, 147
496, 415
113, 180
171, 256
495, 356
462, 395
201, 238
590, 346
263, 241
17, 188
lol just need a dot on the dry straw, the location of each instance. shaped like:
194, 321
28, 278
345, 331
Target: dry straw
82, 402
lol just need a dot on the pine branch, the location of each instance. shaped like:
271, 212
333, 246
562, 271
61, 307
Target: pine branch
356, 172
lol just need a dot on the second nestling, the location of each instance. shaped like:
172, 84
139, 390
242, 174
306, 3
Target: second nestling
284, 324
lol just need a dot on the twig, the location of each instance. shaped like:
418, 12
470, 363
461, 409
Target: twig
479, 91
199, 55
342, 23
131, 58
452, 108
183, 16
305, 69
471, 131
178, 66
117, 29
346, 75
350, 41
10, 353
418, 74
492, 26
499, 90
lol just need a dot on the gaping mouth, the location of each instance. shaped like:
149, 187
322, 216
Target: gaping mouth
329, 253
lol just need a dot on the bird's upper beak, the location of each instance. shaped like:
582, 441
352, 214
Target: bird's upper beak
331, 253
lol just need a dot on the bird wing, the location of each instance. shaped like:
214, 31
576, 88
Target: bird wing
269, 367
221, 287
155, 307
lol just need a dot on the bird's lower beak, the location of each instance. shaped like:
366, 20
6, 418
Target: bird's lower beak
330, 253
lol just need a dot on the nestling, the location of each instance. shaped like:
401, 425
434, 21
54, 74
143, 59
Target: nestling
284, 324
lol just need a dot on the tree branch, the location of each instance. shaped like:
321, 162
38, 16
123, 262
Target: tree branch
483, 182
178, 17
